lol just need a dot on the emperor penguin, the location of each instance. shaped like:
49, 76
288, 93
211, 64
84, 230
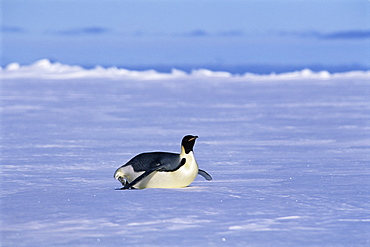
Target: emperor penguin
161, 169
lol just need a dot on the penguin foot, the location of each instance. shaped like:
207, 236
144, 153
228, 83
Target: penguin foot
122, 180
127, 187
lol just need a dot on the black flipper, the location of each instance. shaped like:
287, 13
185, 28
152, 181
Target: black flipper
204, 174
142, 176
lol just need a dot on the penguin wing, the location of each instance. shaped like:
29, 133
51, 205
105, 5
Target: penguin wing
204, 174
141, 177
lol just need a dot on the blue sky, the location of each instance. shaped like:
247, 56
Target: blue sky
187, 32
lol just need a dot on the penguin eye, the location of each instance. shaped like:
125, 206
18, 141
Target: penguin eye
183, 161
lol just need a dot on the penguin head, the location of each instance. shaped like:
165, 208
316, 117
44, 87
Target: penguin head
188, 143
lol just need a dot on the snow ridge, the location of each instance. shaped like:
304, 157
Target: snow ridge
45, 69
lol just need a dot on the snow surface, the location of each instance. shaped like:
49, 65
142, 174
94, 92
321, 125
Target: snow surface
289, 155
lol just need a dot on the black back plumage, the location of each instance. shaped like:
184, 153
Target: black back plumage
147, 161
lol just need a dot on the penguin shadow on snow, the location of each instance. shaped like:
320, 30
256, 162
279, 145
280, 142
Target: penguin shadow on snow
161, 169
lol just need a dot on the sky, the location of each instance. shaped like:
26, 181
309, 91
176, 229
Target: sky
223, 33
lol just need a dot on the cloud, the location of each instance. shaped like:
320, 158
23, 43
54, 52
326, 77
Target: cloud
339, 35
12, 29
203, 33
93, 30
231, 33
197, 33
352, 34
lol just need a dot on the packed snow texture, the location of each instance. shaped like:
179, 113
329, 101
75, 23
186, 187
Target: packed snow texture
289, 155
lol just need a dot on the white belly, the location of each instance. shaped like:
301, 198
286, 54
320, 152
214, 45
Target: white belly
182, 177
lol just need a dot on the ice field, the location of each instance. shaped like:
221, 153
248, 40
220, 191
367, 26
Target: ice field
289, 155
